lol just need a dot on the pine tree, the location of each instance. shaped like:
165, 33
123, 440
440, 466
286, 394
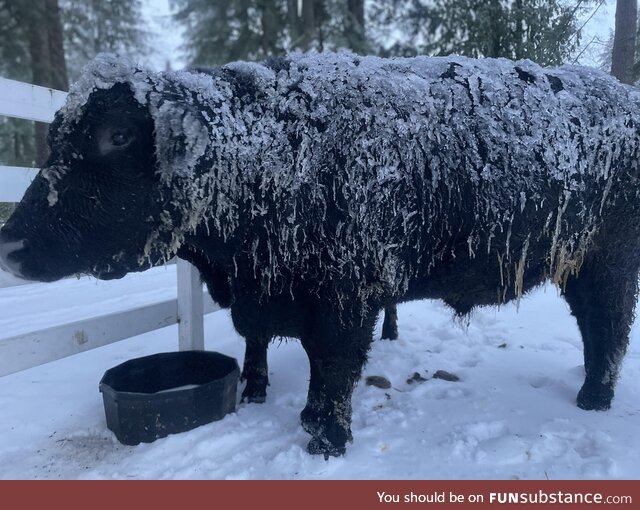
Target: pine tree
220, 31
37, 29
16, 135
14, 54
545, 31
94, 26
333, 25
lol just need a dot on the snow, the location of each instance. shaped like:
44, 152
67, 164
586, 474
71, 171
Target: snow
512, 414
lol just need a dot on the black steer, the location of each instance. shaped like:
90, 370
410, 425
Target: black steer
312, 191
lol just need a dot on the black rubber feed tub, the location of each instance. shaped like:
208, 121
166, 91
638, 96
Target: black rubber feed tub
154, 396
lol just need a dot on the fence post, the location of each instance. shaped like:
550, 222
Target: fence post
190, 308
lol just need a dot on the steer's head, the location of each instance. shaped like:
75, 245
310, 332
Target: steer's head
99, 205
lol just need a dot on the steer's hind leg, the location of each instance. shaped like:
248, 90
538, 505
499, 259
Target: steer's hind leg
255, 371
602, 297
390, 323
336, 357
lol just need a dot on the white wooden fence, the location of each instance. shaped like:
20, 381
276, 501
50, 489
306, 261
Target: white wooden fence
25, 101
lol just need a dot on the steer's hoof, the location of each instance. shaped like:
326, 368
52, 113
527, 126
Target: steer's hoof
253, 399
389, 333
310, 420
321, 446
254, 393
595, 397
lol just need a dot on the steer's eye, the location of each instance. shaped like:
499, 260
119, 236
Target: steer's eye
113, 139
120, 138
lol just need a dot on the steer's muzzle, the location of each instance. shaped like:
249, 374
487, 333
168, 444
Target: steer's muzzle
9, 254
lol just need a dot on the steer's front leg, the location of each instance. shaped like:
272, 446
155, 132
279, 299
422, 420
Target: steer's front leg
337, 353
255, 371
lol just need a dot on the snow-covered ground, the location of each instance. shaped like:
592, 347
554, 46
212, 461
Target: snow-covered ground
512, 414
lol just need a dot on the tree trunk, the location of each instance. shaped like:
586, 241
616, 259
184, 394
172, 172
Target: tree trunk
355, 25
34, 15
321, 15
520, 43
624, 41
46, 51
293, 20
269, 22
58, 79
243, 45
308, 24
356, 9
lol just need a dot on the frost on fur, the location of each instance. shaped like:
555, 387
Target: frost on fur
401, 148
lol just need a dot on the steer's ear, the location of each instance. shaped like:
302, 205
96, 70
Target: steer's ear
181, 138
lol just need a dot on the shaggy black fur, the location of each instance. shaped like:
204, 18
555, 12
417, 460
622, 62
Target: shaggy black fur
314, 191
255, 371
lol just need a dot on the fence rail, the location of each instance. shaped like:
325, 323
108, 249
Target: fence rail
35, 348
31, 102
14, 180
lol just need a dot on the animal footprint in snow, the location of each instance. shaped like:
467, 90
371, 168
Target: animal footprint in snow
539, 382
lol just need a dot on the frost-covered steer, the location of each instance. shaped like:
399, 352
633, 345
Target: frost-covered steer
311, 191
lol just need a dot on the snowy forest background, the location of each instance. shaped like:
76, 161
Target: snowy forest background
47, 42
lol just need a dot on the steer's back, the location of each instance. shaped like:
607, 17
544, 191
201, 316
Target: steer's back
424, 160
389, 171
